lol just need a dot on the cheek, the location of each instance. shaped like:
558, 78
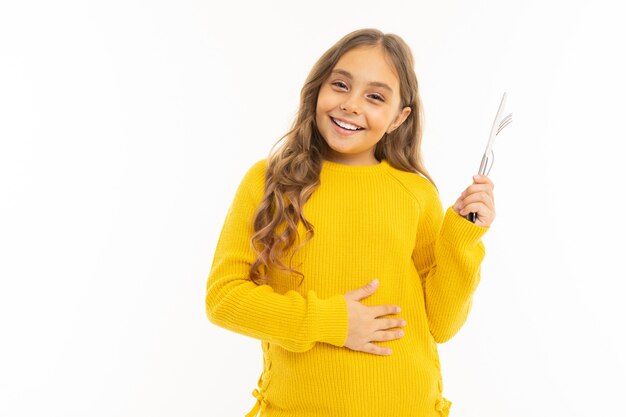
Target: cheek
324, 102
319, 111
381, 119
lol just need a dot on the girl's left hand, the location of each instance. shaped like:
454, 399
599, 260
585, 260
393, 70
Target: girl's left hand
477, 198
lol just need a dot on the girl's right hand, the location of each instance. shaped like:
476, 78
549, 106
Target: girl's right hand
363, 325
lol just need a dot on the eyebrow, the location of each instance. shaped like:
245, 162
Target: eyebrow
373, 83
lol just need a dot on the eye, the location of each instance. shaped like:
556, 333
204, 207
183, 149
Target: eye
377, 97
339, 84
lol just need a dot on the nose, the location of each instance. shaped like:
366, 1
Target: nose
350, 104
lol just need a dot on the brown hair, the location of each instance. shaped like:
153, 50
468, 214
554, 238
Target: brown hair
293, 171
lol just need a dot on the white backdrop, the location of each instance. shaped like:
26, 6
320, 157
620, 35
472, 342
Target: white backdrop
125, 127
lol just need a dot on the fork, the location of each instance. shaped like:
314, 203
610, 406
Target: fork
488, 155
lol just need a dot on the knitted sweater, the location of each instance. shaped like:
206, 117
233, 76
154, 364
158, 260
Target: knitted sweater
370, 222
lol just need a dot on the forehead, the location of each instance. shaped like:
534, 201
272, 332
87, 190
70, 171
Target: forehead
369, 64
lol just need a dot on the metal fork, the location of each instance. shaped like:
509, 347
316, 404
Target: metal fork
488, 155
489, 158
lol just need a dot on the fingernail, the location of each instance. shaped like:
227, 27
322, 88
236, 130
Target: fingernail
476, 177
397, 309
375, 282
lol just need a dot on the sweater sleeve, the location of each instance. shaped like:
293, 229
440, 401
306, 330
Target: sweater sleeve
448, 253
234, 302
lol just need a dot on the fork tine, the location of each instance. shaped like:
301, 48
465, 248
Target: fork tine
505, 122
503, 125
508, 119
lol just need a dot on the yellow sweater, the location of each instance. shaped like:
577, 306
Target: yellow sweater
370, 222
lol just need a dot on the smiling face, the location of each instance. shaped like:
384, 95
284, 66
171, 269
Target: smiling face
357, 104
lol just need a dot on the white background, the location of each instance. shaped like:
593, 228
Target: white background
125, 127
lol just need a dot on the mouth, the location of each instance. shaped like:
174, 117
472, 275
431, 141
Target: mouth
346, 126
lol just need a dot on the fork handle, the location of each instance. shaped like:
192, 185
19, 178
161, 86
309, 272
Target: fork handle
481, 171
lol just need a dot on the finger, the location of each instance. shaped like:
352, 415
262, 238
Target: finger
484, 217
363, 292
390, 323
386, 335
484, 221
458, 204
482, 179
375, 349
479, 208
477, 188
385, 310
479, 197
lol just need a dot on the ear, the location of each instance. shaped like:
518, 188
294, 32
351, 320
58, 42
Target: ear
400, 118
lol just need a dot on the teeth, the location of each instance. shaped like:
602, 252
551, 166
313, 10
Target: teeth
346, 125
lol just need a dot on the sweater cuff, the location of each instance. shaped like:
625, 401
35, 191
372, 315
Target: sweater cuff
333, 320
457, 230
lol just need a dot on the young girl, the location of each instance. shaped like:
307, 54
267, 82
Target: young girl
350, 326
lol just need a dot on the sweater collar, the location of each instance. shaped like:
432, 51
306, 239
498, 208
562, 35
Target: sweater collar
354, 169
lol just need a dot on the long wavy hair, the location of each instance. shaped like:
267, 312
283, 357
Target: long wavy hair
293, 171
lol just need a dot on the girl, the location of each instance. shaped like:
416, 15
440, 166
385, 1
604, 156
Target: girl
349, 178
